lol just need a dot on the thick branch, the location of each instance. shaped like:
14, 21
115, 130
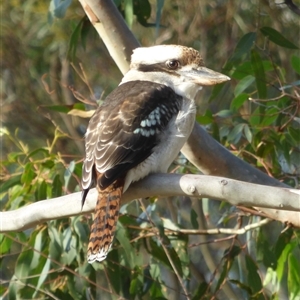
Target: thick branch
112, 29
232, 191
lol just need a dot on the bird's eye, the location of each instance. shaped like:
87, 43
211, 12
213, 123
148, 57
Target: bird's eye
173, 64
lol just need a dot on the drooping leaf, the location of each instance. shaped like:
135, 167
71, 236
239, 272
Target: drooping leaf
283, 239
295, 61
74, 40
68, 173
244, 45
235, 134
158, 252
238, 101
293, 277
225, 113
28, 174
200, 291
254, 280
248, 133
259, 72
23, 263
270, 116
42, 191
142, 10
56, 186
243, 85
12, 181
194, 221
5, 244
43, 275
277, 38
127, 248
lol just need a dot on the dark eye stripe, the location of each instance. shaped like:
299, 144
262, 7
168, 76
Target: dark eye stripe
159, 67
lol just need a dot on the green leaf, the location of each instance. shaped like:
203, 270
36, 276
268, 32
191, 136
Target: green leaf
244, 46
157, 251
5, 244
127, 249
295, 62
232, 252
36, 238
243, 85
56, 187
68, 173
241, 286
194, 221
238, 101
66, 108
270, 116
281, 262
42, 191
44, 152
28, 174
244, 69
294, 133
23, 263
283, 239
81, 230
55, 247
13, 288
60, 108
200, 291
293, 277
43, 275
277, 38
228, 259
248, 133
128, 9
85, 30
260, 77
205, 119
114, 270
222, 279
235, 134
13, 181
255, 118
142, 10
254, 280
225, 113
74, 39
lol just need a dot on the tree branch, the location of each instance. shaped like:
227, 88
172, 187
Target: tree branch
286, 202
292, 6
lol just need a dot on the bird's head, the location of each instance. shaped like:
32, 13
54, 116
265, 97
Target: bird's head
178, 67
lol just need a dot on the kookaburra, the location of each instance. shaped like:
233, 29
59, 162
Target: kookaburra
140, 129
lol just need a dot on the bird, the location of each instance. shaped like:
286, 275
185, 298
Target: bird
139, 129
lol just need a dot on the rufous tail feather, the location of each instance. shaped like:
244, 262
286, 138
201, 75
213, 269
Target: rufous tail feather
105, 221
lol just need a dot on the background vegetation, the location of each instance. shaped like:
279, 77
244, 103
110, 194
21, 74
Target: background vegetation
52, 58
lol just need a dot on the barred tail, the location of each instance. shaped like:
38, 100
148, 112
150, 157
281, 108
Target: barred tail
105, 221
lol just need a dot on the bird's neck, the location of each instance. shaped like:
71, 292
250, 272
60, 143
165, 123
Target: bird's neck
181, 87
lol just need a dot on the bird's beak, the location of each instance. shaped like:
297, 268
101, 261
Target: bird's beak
203, 76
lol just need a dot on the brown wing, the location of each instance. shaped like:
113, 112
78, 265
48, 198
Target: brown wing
124, 130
